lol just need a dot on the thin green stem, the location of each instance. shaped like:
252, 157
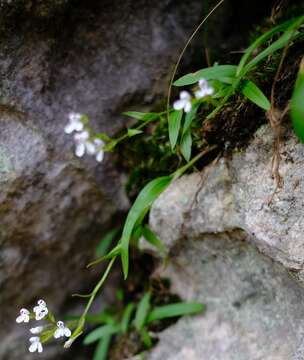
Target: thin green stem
180, 171
183, 51
82, 319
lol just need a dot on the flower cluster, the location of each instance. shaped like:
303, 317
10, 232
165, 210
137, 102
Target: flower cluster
53, 329
85, 142
185, 98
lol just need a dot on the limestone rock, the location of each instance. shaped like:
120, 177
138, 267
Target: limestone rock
96, 57
239, 253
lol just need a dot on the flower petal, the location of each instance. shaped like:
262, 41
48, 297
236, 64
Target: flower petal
100, 156
80, 150
33, 347
188, 106
67, 332
57, 334
40, 348
78, 126
91, 150
69, 128
20, 319
184, 95
179, 104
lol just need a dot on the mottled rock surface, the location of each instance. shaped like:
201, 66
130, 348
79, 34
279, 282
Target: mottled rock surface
240, 254
96, 57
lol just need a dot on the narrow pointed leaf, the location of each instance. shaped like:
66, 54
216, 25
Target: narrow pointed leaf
297, 104
287, 36
186, 145
142, 311
100, 333
126, 317
260, 41
175, 119
142, 116
142, 203
133, 132
224, 73
255, 94
172, 310
153, 239
102, 349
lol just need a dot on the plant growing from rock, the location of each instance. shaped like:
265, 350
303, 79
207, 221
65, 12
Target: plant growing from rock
212, 87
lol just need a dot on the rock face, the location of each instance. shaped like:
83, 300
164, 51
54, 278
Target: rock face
238, 252
95, 57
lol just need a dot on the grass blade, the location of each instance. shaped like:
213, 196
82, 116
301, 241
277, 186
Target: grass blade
174, 124
126, 317
173, 310
142, 311
153, 239
255, 94
102, 348
100, 333
216, 72
186, 145
260, 41
142, 203
142, 116
297, 104
287, 36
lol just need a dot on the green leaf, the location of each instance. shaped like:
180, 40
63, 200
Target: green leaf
260, 41
101, 332
126, 317
133, 132
102, 348
146, 338
297, 104
255, 94
142, 116
224, 73
103, 137
153, 239
105, 243
142, 203
142, 311
172, 310
174, 126
186, 145
189, 118
288, 35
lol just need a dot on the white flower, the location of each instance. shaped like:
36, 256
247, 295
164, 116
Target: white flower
184, 102
36, 330
23, 317
62, 330
83, 144
75, 123
35, 344
99, 144
40, 310
204, 89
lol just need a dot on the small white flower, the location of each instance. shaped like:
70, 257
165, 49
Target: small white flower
35, 344
204, 89
40, 310
83, 144
99, 144
184, 102
62, 330
75, 123
23, 317
36, 330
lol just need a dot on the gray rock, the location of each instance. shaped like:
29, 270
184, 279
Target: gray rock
234, 194
100, 58
239, 253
